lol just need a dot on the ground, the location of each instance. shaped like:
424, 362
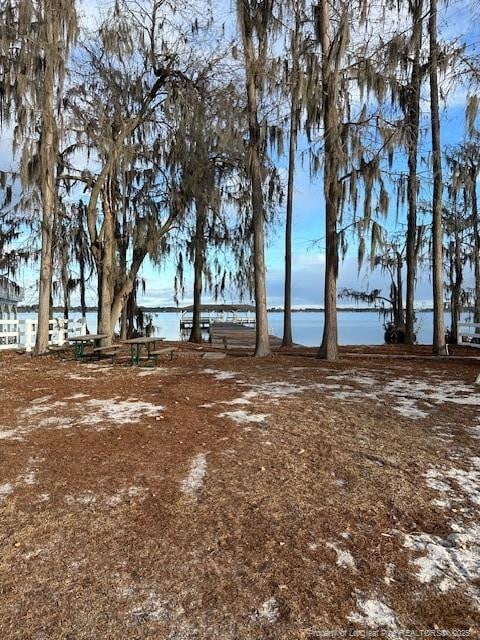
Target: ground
239, 499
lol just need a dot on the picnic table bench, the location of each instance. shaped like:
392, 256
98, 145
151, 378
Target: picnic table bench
80, 342
164, 351
136, 345
111, 350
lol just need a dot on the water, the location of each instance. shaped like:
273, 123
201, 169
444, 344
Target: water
354, 327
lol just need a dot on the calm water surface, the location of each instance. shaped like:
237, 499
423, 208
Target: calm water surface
354, 327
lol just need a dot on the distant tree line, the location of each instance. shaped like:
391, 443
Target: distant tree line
160, 132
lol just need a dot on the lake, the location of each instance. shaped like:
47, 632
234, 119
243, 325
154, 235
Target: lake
354, 327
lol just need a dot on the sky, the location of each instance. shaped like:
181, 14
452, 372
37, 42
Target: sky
308, 227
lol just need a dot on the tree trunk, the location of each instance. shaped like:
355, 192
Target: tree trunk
48, 155
131, 307
124, 322
457, 282
476, 247
439, 345
329, 346
124, 291
413, 133
294, 121
119, 304
262, 343
199, 249
83, 301
66, 296
107, 269
400, 311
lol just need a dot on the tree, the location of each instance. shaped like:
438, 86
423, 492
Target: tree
387, 256
439, 346
294, 84
356, 137
119, 109
332, 50
207, 160
455, 226
410, 101
255, 20
34, 52
464, 163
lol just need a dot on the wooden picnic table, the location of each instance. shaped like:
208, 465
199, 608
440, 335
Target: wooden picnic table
79, 342
137, 343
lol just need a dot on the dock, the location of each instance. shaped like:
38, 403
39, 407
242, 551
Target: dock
242, 314
231, 335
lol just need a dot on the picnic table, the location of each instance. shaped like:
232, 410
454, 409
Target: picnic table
80, 342
136, 345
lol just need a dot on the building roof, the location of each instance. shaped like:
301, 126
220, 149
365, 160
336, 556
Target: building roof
9, 291
207, 308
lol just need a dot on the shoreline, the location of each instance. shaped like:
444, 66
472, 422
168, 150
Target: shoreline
34, 309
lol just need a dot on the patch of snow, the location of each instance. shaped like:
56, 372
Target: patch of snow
441, 503
77, 396
42, 408
118, 411
344, 557
407, 408
353, 375
453, 561
276, 390
374, 614
96, 367
55, 421
27, 478
435, 480
389, 573
475, 431
152, 609
241, 417
237, 401
437, 392
120, 496
10, 434
449, 562
468, 482
41, 400
85, 498
268, 612
220, 375
193, 483
154, 371
5, 490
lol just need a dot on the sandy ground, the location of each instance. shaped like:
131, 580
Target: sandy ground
238, 499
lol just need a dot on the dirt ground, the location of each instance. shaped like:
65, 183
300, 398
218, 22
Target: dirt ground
240, 499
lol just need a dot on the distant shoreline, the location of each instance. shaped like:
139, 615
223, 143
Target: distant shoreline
33, 309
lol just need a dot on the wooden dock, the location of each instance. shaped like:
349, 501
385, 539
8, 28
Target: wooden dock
234, 335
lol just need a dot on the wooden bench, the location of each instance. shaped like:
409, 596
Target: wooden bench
110, 351
470, 336
161, 352
58, 350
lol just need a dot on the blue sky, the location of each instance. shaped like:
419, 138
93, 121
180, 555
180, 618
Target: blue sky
308, 231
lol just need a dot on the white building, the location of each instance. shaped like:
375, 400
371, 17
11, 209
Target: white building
10, 295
